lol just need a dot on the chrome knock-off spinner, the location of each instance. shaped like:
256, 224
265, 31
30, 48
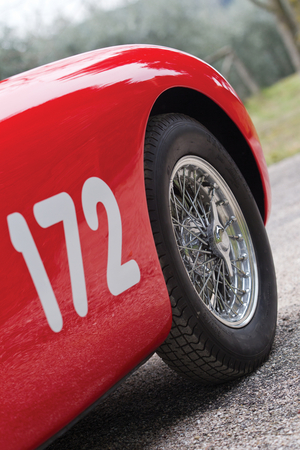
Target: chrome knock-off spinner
218, 238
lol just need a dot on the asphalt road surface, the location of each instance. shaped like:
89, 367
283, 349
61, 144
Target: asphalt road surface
156, 409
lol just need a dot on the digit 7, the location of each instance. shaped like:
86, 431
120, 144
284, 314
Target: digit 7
60, 208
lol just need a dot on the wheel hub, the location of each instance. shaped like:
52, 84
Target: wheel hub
221, 238
218, 238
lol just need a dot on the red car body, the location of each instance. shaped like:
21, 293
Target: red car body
74, 123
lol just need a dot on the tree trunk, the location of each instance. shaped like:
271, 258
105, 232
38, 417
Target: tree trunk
287, 26
290, 44
245, 75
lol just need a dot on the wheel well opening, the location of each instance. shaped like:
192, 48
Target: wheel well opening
203, 109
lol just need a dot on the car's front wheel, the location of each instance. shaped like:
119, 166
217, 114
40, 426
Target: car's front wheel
213, 250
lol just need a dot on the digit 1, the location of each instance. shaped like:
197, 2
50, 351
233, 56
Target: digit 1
119, 277
23, 242
60, 208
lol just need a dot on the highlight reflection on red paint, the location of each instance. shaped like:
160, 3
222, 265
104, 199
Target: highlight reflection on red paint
60, 125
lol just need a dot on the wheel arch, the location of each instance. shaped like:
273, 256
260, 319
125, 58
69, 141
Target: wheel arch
213, 117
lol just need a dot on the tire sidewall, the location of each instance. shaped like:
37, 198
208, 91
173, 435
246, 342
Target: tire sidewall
184, 138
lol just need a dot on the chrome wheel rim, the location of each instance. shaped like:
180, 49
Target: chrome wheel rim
213, 241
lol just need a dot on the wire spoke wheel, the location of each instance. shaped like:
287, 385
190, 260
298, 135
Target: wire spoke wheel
213, 241
213, 250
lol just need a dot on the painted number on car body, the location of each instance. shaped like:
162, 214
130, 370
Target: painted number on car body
61, 208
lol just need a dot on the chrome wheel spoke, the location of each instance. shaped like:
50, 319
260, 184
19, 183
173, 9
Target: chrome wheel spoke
189, 230
213, 241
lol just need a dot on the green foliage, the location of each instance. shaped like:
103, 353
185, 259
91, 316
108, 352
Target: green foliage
195, 26
276, 115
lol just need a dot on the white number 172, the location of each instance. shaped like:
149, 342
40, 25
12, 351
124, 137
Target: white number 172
61, 208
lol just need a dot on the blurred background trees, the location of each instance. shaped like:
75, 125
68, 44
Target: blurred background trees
287, 15
200, 27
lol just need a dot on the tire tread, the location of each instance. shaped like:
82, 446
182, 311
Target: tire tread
187, 349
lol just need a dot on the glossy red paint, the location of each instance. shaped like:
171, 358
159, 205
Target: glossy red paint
60, 125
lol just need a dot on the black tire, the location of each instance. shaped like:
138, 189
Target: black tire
209, 341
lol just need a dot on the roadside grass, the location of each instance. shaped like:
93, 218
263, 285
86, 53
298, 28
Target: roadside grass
275, 112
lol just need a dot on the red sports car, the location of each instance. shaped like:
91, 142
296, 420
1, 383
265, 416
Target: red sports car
134, 194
